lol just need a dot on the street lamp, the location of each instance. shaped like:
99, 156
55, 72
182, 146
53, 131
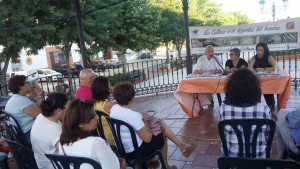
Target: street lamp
78, 18
187, 37
262, 6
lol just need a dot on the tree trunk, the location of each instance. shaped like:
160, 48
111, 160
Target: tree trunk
167, 50
178, 48
66, 50
124, 60
3, 84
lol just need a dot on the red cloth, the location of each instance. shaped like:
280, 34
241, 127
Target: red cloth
83, 92
4, 146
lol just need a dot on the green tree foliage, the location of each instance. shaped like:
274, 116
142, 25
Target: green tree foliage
136, 27
17, 13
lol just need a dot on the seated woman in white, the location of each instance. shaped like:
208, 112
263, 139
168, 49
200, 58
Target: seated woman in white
46, 129
148, 143
78, 120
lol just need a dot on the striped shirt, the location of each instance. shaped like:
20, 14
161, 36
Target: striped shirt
250, 111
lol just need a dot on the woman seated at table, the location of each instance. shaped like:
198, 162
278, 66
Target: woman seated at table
148, 142
242, 101
235, 62
263, 61
100, 91
46, 129
78, 120
20, 106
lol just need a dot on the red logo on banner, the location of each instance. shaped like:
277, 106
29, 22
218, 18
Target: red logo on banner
290, 25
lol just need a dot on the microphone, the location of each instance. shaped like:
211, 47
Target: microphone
224, 71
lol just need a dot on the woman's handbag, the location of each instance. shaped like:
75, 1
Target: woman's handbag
154, 124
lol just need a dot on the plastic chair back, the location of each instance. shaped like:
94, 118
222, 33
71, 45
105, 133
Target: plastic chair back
115, 126
249, 136
14, 131
99, 131
23, 155
248, 163
66, 162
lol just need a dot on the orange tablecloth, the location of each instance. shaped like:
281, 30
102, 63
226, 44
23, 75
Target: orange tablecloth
184, 94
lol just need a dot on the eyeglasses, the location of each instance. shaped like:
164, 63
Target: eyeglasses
94, 76
231, 54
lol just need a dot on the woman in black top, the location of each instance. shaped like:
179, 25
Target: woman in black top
235, 62
263, 61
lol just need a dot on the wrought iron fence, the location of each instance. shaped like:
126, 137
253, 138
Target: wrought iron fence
158, 75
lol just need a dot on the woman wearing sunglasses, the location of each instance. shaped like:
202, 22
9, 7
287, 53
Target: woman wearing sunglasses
78, 120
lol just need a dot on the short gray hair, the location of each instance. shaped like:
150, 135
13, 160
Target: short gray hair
236, 51
32, 84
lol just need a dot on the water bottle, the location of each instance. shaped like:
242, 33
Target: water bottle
277, 68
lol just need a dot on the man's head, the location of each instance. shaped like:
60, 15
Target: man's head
209, 51
86, 77
60, 82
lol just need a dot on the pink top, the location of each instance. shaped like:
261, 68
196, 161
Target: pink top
83, 92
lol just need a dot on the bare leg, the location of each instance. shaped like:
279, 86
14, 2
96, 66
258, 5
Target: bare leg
164, 152
186, 149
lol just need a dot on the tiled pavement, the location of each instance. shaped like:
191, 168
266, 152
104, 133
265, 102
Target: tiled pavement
202, 130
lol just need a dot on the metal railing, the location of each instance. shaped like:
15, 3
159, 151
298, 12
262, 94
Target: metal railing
156, 75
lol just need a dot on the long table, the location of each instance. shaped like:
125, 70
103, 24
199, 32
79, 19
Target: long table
185, 93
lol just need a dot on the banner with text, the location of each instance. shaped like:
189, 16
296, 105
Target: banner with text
279, 35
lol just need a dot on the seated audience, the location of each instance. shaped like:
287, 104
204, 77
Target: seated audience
235, 62
101, 90
148, 142
78, 120
86, 79
288, 131
46, 129
36, 93
20, 106
263, 61
243, 102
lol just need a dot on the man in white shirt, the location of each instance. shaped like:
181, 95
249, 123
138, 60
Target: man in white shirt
207, 63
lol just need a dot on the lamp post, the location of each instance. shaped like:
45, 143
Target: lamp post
80, 32
262, 6
187, 37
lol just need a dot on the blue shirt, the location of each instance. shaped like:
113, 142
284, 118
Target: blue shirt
15, 107
293, 121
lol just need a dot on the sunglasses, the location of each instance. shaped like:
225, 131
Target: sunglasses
82, 101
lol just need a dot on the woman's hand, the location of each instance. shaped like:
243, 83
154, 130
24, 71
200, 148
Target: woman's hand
260, 69
38, 91
145, 116
122, 163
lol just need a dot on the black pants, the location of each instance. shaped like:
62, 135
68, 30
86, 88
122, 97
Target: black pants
146, 149
270, 100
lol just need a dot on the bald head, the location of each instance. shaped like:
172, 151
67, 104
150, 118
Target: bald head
209, 51
86, 77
